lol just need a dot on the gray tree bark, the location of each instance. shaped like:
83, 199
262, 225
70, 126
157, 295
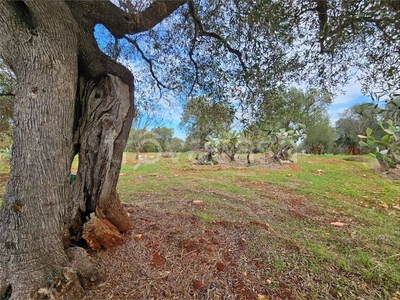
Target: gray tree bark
43, 54
71, 98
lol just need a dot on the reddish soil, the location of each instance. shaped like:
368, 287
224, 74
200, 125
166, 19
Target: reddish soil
177, 256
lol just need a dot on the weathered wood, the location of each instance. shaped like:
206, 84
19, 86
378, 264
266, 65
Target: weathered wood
101, 137
101, 233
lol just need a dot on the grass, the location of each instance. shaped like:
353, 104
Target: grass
361, 258
286, 213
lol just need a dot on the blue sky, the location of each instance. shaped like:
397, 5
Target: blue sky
351, 95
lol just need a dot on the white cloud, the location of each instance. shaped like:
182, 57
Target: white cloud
351, 91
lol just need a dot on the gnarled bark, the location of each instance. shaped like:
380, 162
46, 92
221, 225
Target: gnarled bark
71, 99
107, 106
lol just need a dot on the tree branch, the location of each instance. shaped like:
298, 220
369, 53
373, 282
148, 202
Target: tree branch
7, 95
120, 23
201, 32
155, 13
149, 61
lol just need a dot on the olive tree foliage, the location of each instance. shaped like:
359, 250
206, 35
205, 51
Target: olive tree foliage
75, 96
285, 108
320, 138
205, 118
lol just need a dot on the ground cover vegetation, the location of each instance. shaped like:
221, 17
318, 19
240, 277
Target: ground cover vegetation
265, 231
78, 65
323, 228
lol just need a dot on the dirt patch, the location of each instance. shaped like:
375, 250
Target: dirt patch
173, 256
295, 205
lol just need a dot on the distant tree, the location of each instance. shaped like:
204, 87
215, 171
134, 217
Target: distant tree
203, 117
145, 117
164, 136
8, 84
283, 108
177, 145
320, 138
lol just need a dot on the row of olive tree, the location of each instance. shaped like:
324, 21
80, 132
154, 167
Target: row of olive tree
274, 124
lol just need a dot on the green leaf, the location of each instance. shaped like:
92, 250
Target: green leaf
390, 132
369, 131
386, 138
390, 123
379, 155
362, 136
362, 143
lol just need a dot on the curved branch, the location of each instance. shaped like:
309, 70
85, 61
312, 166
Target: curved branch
155, 13
201, 32
149, 61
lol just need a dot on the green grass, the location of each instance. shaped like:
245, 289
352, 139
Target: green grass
366, 250
298, 203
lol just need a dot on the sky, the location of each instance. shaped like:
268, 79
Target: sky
351, 95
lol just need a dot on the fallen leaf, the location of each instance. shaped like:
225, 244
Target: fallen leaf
384, 205
157, 260
220, 266
261, 297
396, 207
197, 284
197, 201
338, 224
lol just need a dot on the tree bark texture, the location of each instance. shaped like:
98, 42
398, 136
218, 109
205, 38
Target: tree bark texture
43, 54
107, 107
71, 99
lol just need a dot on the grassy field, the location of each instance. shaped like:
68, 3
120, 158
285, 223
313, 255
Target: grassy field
321, 228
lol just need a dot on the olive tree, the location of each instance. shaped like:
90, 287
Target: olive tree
75, 96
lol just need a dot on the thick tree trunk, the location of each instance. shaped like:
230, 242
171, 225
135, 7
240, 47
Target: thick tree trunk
46, 44
40, 207
36, 203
